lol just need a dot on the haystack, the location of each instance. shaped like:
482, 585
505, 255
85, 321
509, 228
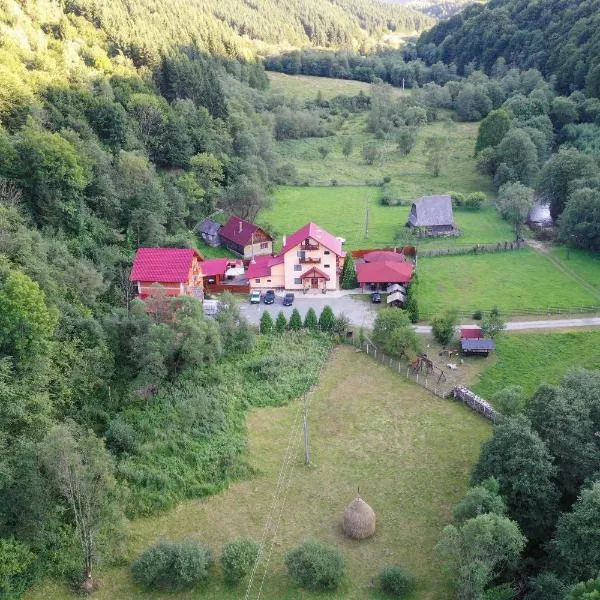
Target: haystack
359, 520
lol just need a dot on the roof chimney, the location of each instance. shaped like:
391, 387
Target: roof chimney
283, 241
241, 226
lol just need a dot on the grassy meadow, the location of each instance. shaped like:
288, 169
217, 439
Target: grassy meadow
583, 263
529, 359
523, 280
411, 457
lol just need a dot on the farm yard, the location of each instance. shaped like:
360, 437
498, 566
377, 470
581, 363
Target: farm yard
519, 282
529, 359
411, 458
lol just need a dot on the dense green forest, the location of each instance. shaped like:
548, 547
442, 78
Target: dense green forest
561, 38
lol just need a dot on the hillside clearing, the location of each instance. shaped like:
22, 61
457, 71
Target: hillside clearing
411, 457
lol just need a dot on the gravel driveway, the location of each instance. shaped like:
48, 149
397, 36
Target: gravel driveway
359, 312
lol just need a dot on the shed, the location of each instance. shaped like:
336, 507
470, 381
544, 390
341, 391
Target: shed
396, 299
359, 521
396, 287
480, 347
433, 214
209, 231
471, 333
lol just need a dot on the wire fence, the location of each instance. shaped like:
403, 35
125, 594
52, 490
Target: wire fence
542, 311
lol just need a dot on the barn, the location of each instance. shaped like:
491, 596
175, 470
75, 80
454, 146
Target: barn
433, 215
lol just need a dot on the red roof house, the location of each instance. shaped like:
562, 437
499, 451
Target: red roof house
176, 271
384, 255
471, 333
245, 238
384, 272
317, 234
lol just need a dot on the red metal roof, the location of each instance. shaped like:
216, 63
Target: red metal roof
384, 255
314, 272
317, 233
261, 266
163, 265
239, 231
471, 333
214, 266
384, 272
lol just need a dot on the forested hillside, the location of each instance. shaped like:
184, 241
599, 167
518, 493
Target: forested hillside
561, 38
440, 9
234, 28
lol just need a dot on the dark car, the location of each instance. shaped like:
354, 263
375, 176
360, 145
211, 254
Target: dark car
288, 299
376, 298
269, 297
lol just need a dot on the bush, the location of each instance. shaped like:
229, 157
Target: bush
475, 200
121, 437
443, 326
478, 315
316, 566
458, 199
172, 566
238, 557
395, 582
16, 562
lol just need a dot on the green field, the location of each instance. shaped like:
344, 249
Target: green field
411, 458
522, 280
306, 87
528, 359
342, 211
584, 263
409, 174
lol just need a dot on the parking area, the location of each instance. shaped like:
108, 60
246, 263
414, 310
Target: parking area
360, 313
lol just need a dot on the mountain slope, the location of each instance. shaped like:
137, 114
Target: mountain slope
143, 28
558, 37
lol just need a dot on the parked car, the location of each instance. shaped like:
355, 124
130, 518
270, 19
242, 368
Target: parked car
269, 297
288, 299
255, 297
376, 298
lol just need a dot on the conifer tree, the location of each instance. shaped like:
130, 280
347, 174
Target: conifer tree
295, 320
349, 281
326, 319
266, 323
310, 321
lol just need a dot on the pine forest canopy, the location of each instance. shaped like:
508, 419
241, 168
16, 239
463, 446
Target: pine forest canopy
561, 38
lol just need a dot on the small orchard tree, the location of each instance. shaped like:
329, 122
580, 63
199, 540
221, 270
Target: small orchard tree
238, 557
406, 138
372, 152
443, 326
514, 203
492, 324
436, 149
326, 319
310, 320
349, 281
348, 147
509, 401
316, 566
280, 322
323, 151
266, 323
295, 321
393, 333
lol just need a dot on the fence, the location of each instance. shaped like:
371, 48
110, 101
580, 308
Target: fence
478, 404
525, 312
473, 249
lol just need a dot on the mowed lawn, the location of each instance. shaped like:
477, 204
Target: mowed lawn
306, 87
409, 452
410, 175
523, 280
529, 359
584, 263
343, 212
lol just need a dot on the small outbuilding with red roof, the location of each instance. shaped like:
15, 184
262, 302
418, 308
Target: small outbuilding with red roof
245, 239
378, 275
174, 271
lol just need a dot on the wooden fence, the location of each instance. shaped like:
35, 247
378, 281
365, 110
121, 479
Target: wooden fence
473, 249
544, 311
472, 400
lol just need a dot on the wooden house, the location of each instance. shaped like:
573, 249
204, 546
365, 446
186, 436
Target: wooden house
433, 215
170, 271
245, 239
209, 231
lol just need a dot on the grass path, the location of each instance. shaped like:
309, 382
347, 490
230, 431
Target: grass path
410, 453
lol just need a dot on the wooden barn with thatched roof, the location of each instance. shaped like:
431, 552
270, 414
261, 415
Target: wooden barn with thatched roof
359, 520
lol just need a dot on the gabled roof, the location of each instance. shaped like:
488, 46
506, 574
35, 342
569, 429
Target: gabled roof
471, 333
317, 233
163, 265
382, 255
208, 227
261, 266
214, 266
314, 272
384, 272
431, 211
395, 297
239, 231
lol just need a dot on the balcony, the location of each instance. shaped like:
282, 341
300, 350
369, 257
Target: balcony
308, 260
309, 246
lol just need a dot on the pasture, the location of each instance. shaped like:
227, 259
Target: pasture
582, 263
529, 359
517, 282
410, 176
343, 212
410, 453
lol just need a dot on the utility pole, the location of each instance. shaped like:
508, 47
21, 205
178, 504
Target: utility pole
367, 218
306, 440
403, 84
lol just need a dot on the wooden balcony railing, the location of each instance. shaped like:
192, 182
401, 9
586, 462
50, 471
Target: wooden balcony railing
309, 246
307, 260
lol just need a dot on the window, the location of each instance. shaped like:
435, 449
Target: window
297, 267
264, 245
299, 253
326, 252
326, 266
211, 280
268, 281
298, 281
257, 280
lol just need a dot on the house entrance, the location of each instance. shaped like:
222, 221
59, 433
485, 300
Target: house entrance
314, 283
